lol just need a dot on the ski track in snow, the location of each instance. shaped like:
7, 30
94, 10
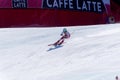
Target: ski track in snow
92, 53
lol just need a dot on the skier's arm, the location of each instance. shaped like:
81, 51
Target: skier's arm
62, 34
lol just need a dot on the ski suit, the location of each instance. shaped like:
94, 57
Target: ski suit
65, 35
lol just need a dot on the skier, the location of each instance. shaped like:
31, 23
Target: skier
65, 35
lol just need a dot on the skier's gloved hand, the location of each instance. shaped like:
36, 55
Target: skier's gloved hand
61, 34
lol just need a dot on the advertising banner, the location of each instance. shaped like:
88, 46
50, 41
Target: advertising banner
80, 5
25, 13
19, 3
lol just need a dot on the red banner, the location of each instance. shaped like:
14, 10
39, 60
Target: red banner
25, 13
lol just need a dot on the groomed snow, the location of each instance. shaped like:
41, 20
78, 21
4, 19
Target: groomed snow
92, 53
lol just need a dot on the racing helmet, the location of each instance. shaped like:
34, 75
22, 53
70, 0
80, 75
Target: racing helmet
64, 30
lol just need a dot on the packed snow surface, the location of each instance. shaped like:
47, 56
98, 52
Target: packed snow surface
92, 53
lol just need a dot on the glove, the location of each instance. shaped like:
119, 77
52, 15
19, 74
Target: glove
61, 34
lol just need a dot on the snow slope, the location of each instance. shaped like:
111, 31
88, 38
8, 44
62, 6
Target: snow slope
92, 53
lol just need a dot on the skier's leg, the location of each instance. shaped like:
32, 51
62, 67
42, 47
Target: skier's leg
56, 43
61, 42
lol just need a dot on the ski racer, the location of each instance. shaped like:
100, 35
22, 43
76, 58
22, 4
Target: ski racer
65, 35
